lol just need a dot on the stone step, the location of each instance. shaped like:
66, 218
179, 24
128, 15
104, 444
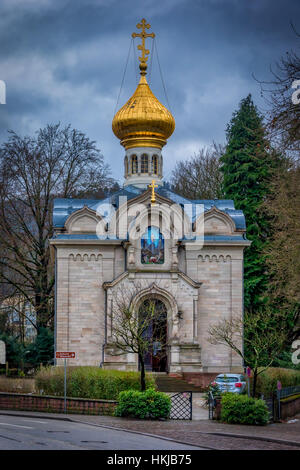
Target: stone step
200, 380
166, 383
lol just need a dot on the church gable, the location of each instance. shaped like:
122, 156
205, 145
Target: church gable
83, 221
217, 222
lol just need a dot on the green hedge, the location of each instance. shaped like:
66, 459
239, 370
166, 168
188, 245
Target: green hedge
88, 382
267, 381
144, 405
240, 409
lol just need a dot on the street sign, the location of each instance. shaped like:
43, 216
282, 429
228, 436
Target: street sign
248, 370
65, 355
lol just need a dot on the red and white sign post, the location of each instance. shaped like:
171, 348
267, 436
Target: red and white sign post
65, 355
248, 379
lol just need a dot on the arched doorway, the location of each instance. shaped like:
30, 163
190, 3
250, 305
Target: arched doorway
153, 313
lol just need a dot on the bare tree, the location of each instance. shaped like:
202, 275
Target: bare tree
200, 176
282, 207
282, 95
138, 329
258, 340
58, 162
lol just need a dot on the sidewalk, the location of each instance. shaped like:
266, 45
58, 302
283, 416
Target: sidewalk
204, 433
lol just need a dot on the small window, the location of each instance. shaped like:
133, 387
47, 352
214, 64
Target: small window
134, 164
155, 164
144, 164
126, 166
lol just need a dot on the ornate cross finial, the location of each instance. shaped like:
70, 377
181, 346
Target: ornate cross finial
153, 186
141, 47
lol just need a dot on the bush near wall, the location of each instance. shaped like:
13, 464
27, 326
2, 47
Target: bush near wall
240, 409
267, 381
17, 385
14, 401
88, 382
144, 405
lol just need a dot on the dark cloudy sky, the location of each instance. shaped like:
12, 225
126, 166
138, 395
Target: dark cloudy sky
63, 60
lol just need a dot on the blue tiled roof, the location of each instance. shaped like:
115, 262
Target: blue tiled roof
222, 238
207, 238
81, 236
63, 208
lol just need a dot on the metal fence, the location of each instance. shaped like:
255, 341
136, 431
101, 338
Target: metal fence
211, 405
271, 407
273, 403
288, 391
182, 406
283, 393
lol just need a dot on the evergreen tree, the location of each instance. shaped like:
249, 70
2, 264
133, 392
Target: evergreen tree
41, 351
247, 167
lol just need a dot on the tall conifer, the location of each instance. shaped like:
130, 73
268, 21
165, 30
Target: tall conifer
247, 166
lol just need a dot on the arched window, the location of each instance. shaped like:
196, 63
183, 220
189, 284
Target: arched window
126, 167
144, 163
152, 246
155, 164
154, 317
134, 164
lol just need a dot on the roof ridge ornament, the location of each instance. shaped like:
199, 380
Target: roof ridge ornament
141, 47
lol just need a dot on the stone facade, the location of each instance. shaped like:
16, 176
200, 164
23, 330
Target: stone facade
199, 282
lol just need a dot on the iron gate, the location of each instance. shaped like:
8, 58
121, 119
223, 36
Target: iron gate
182, 405
211, 405
270, 405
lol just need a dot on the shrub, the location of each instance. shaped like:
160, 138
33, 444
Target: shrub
15, 350
240, 409
267, 380
41, 350
144, 405
214, 389
16, 385
88, 382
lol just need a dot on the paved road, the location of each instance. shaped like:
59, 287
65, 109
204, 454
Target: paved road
22, 433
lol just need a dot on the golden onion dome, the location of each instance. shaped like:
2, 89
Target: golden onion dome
143, 121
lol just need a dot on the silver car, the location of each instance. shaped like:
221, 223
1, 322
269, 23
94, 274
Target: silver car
235, 383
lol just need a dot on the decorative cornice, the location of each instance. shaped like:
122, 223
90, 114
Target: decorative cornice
217, 258
85, 257
106, 285
189, 280
122, 276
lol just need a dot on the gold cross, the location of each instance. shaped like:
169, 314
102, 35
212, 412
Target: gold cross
141, 47
153, 186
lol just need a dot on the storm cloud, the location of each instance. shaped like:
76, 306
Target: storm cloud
63, 60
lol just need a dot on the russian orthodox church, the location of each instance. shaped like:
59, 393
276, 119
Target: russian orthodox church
186, 254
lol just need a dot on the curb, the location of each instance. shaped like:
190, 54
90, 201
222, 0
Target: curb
157, 436
257, 438
8, 413
115, 428
239, 436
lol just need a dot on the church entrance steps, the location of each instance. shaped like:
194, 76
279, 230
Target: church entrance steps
166, 383
201, 380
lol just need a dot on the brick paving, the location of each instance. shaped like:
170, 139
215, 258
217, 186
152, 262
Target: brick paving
202, 433
206, 433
